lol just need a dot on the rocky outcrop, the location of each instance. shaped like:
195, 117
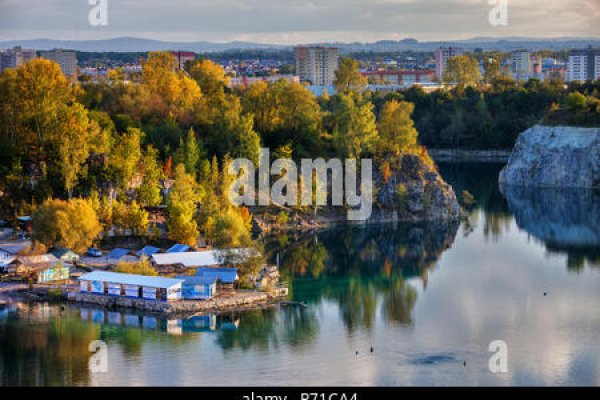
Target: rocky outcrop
414, 191
557, 156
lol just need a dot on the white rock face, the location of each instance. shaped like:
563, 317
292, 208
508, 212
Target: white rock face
559, 156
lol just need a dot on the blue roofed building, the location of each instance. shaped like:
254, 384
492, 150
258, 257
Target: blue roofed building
147, 251
178, 248
225, 277
120, 255
198, 287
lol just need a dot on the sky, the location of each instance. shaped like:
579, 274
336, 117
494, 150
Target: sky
297, 21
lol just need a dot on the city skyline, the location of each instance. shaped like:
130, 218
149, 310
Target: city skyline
312, 22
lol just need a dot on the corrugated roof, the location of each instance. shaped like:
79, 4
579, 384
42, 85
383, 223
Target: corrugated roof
14, 247
195, 258
147, 251
58, 253
118, 253
42, 259
130, 279
198, 280
178, 248
225, 275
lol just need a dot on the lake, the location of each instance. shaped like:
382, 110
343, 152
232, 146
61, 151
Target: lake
427, 299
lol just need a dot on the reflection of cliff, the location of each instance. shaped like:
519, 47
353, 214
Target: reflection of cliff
365, 269
566, 220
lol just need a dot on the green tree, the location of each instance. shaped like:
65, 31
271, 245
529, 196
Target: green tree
355, 132
149, 191
576, 101
181, 208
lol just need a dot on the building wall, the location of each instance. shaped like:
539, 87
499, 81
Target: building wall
65, 58
15, 57
198, 292
54, 274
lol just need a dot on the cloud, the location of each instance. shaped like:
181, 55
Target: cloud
288, 21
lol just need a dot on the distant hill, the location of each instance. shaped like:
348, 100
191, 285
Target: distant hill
131, 44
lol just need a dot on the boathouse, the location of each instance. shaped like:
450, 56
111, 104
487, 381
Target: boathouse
133, 286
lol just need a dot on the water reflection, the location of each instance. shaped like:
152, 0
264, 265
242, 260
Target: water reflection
363, 269
565, 220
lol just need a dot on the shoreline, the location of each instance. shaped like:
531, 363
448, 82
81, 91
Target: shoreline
237, 301
460, 155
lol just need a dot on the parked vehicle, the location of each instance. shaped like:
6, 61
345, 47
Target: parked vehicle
94, 252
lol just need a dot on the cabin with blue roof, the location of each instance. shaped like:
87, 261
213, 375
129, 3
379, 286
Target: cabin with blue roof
147, 251
226, 278
198, 288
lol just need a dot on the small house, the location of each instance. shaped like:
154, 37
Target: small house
198, 287
121, 255
56, 273
42, 269
226, 278
66, 255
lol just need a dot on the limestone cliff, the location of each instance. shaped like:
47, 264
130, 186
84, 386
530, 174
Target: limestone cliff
558, 156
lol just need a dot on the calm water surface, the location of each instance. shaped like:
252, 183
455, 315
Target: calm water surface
525, 269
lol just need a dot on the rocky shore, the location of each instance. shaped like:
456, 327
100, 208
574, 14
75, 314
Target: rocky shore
240, 300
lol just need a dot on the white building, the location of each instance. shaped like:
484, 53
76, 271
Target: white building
316, 65
521, 65
67, 60
583, 65
129, 285
442, 55
15, 57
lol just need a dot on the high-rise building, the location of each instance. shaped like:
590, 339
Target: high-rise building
583, 65
441, 59
521, 65
15, 57
67, 59
316, 65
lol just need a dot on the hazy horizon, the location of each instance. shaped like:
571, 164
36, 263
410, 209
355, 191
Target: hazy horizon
294, 21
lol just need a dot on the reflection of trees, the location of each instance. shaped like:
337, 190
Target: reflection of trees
267, 328
364, 268
481, 180
566, 220
46, 353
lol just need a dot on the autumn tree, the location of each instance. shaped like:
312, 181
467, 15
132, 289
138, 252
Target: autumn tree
462, 70
170, 91
348, 77
396, 128
71, 224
